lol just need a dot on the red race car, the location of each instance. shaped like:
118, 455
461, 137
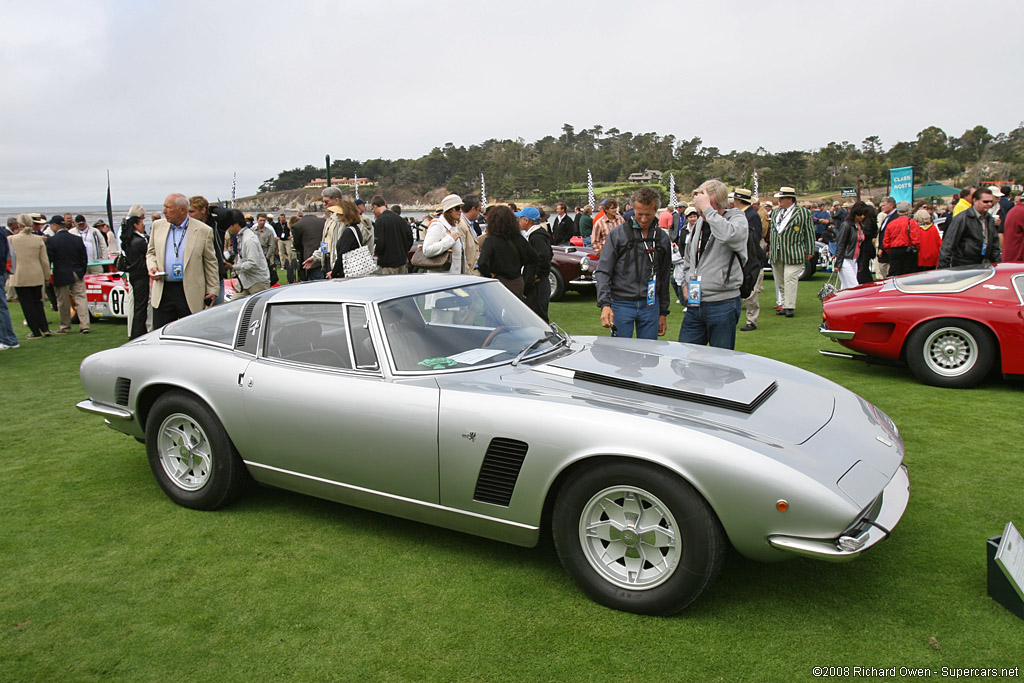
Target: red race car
950, 326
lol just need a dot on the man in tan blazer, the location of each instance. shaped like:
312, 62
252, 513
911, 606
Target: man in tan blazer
181, 262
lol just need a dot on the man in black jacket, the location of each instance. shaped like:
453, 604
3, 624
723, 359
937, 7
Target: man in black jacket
562, 228
538, 292
133, 245
971, 238
752, 305
69, 261
392, 239
306, 235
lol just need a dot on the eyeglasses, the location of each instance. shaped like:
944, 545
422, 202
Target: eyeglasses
987, 201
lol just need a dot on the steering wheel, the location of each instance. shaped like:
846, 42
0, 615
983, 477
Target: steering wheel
502, 329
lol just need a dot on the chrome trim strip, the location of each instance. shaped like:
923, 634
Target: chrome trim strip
90, 406
835, 334
391, 496
583, 282
895, 497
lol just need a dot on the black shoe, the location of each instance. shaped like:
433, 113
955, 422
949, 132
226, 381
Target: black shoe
788, 312
748, 327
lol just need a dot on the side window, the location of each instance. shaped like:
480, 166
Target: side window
362, 343
312, 334
1018, 283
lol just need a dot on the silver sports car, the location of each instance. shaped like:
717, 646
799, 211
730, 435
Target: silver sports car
444, 399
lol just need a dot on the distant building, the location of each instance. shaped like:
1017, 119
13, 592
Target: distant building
648, 176
322, 182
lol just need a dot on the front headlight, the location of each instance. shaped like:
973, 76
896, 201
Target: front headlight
585, 264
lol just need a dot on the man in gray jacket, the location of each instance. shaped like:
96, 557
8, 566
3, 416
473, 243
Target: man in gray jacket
632, 275
713, 269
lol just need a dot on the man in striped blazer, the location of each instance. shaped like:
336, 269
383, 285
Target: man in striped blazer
792, 244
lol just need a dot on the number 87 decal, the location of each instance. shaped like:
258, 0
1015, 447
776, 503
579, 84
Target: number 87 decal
117, 301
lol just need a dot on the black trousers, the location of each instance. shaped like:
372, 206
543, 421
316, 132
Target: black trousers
173, 305
140, 309
902, 261
31, 300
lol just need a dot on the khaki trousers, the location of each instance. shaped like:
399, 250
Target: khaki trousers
254, 288
752, 304
76, 292
787, 277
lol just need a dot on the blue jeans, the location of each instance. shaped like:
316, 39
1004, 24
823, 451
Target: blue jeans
638, 315
586, 241
7, 335
712, 323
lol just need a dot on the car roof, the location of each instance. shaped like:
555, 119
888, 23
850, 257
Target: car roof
371, 288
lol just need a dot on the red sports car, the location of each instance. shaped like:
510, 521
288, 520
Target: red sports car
950, 326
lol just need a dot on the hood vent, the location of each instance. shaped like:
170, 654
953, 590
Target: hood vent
500, 471
681, 395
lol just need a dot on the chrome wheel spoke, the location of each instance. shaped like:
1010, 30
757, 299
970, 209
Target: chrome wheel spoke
185, 452
629, 537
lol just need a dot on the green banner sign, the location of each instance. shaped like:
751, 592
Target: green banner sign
848, 192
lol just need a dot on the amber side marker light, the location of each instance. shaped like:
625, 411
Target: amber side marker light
782, 506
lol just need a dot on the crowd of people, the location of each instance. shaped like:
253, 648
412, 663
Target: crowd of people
709, 252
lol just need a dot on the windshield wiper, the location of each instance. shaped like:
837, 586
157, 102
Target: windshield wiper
555, 331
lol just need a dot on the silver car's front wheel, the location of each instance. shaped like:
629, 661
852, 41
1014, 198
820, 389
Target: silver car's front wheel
629, 537
190, 454
184, 451
636, 537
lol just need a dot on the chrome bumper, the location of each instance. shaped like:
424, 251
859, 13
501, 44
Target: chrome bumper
835, 335
108, 411
894, 502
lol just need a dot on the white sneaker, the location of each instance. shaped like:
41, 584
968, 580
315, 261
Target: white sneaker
4, 347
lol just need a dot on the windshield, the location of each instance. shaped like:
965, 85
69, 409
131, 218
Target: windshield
946, 280
461, 328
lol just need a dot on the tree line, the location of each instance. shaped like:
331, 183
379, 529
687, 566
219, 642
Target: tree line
551, 166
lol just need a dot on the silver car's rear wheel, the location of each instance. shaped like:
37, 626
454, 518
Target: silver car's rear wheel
629, 537
636, 537
184, 451
190, 454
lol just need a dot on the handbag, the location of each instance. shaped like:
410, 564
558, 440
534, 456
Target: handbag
359, 261
440, 262
829, 288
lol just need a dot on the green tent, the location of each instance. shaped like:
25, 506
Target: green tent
929, 190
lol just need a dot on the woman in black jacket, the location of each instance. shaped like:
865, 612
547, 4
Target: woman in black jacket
505, 253
849, 243
349, 238
867, 247
133, 246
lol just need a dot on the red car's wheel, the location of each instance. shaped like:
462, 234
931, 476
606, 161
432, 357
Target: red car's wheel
950, 353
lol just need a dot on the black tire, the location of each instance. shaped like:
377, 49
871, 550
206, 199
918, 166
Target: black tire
557, 284
691, 562
951, 353
810, 269
210, 474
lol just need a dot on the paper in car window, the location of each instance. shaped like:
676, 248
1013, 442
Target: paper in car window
474, 356
461, 292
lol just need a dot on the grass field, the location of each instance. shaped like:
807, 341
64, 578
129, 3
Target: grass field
102, 577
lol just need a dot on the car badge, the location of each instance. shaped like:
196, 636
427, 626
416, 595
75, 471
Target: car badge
884, 441
470, 435
994, 287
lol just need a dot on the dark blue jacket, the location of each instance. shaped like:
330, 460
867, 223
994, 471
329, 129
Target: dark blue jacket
68, 258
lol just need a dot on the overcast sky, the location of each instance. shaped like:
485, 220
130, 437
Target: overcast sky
177, 96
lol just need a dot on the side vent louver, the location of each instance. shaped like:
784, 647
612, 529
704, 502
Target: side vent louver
243, 324
499, 471
122, 387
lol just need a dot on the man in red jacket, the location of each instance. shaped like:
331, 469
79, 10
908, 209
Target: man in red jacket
1013, 235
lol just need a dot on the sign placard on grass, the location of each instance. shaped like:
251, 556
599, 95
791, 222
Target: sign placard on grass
1010, 557
848, 192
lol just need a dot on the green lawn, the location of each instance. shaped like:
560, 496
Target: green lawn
101, 576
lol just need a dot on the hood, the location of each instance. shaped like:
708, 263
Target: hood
754, 394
